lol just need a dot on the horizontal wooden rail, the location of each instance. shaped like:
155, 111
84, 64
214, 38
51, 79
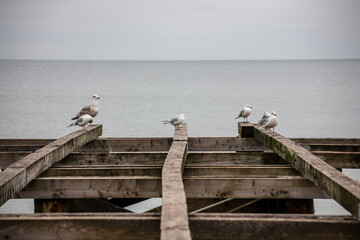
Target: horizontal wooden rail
189, 171
147, 187
338, 186
18, 175
203, 226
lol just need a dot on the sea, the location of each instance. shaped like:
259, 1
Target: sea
312, 98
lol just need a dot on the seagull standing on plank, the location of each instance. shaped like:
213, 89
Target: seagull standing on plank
82, 121
92, 109
245, 112
176, 121
269, 120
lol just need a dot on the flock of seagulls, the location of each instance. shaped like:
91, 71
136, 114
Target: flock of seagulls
87, 114
269, 120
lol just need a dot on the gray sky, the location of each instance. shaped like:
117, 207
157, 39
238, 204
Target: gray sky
179, 30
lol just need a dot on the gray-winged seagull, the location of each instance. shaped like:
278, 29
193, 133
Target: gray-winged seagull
92, 109
82, 121
269, 120
245, 112
176, 121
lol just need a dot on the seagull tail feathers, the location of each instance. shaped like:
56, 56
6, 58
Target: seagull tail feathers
237, 117
71, 125
165, 121
74, 118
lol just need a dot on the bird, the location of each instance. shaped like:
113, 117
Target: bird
269, 120
82, 121
92, 109
265, 116
176, 121
245, 112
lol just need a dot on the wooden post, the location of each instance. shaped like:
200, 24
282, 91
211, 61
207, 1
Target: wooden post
174, 215
338, 186
14, 178
245, 129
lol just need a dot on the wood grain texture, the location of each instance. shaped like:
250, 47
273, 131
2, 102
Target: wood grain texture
18, 175
174, 215
338, 186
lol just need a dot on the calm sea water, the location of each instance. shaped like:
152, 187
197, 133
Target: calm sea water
311, 99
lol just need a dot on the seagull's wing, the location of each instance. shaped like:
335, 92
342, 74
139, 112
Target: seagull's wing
241, 113
83, 111
264, 118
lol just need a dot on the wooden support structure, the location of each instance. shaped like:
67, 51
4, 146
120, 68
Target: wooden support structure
258, 185
203, 226
338, 186
14, 178
174, 215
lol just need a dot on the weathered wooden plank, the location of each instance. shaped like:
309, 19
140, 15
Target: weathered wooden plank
203, 226
75, 205
340, 187
339, 159
25, 141
8, 158
335, 159
120, 159
232, 159
18, 175
248, 171
224, 144
189, 171
335, 147
103, 171
272, 226
45, 226
309, 141
174, 215
127, 145
147, 187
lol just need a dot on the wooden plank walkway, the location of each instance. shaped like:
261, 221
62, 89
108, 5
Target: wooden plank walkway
338, 186
14, 178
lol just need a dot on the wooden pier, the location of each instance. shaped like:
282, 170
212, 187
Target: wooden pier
258, 185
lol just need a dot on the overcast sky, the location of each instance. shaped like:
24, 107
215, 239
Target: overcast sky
179, 29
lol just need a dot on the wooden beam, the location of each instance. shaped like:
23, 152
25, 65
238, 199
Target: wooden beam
127, 145
339, 159
147, 187
18, 175
8, 158
174, 215
202, 225
189, 171
75, 205
246, 130
118, 159
335, 147
80, 226
340, 187
340, 141
272, 226
224, 144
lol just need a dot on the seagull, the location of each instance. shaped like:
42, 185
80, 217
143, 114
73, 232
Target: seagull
265, 116
269, 120
92, 109
82, 121
245, 112
176, 121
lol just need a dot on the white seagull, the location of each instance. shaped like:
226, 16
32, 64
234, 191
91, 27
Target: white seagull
92, 109
245, 112
269, 120
176, 121
82, 121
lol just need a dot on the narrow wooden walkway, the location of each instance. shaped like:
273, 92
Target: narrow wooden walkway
211, 188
